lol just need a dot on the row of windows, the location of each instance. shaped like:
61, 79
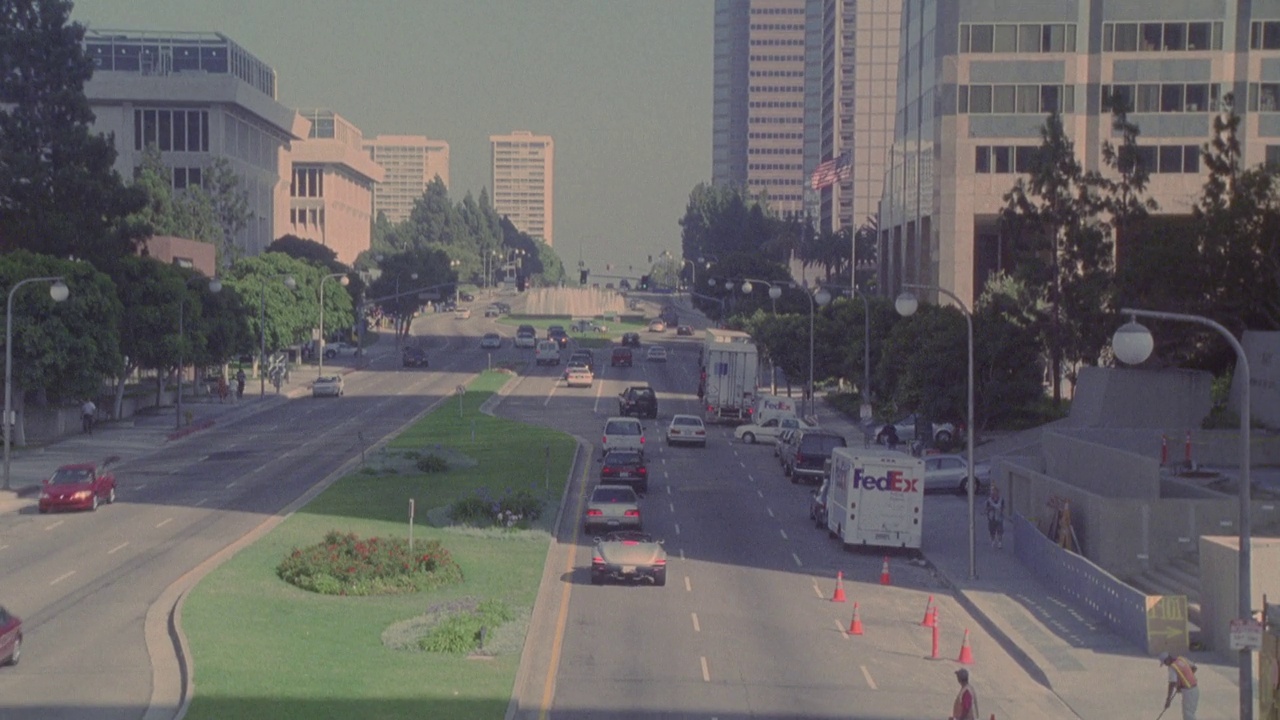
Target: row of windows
300, 216
775, 136
775, 151
775, 104
1264, 35
775, 120
184, 177
1015, 99
171, 130
777, 73
1002, 159
777, 11
1024, 38
1161, 36
777, 58
775, 41
307, 182
777, 26
1264, 97
775, 166
1163, 97
776, 88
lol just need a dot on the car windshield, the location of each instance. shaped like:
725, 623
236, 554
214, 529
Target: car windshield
622, 428
686, 421
622, 458
613, 495
71, 476
629, 537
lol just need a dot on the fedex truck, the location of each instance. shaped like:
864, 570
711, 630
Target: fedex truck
876, 498
770, 406
729, 366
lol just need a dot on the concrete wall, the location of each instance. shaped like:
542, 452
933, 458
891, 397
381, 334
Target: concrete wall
1128, 398
1263, 351
1099, 468
1219, 585
45, 424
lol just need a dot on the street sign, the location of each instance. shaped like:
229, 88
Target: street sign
1246, 634
1167, 624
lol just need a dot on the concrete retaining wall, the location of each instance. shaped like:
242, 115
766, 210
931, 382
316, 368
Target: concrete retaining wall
1129, 398
1099, 468
45, 424
1220, 584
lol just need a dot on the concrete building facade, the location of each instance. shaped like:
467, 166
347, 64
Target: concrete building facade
328, 196
196, 97
523, 172
410, 163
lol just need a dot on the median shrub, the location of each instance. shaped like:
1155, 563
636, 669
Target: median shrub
514, 509
462, 632
432, 464
344, 564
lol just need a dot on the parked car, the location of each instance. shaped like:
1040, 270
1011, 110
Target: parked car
328, 386
657, 326
656, 353
491, 341
613, 507
906, 430
81, 486
333, 350
638, 400
503, 308
628, 555
812, 451
684, 330
413, 356
950, 473
631, 339
466, 297
620, 357
11, 637
769, 430
625, 467
622, 433
687, 429
492, 311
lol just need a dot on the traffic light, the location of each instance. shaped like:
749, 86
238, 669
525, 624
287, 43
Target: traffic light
644, 282
582, 276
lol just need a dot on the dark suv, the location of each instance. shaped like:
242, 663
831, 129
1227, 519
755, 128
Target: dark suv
631, 339
812, 451
640, 401
414, 356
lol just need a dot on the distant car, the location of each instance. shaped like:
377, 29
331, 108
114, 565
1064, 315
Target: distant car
329, 386
627, 555
950, 473
333, 350
631, 339
466, 297
625, 467
414, 356
583, 356
656, 353
684, 330
11, 637
769, 430
624, 284
82, 486
548, 353
812, 450
686, 429
492, 311
526, 337
638, 400
491, 341
613, 507
462, 313
621, 356
503, 308
943, 433
657, 326
622, 433
560, 337
634, 305
579, 376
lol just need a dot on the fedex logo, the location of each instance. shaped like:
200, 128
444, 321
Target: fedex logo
893, 481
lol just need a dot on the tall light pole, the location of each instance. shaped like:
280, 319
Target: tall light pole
343, 280
59, 292
906, 305
290, 283
1133, 344
215, 286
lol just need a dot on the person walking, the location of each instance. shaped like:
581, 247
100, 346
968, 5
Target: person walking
965, 706
995, 517
240, 378
87, 412
222, 389
1182, 679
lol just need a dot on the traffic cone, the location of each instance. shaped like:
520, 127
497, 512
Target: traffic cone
855, 627
966, 652
936, 632
928, 614
839, 595
884, 572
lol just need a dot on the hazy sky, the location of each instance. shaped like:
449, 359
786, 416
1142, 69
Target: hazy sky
624, 88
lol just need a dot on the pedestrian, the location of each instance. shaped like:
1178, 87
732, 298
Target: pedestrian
1182, 679
965, 706
222, 389
995, 517
240, 377
87, 412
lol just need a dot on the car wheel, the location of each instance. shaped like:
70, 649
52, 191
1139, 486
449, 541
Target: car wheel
111, 496
749, 438
963, 489
660, 578
943, 438
93, 504
17, 652
786, 470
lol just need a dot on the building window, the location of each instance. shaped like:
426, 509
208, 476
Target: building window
1273, 155
1162, 37
1169, 97
1264, 35
1003, 157
171, 130
1264, 97
1015, 99
982, 160
1024, 38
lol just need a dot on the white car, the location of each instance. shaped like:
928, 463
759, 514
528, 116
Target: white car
949, 473
526, 339
622, 432
330, 386
333, 350
656, 353
657, 326
462, 313
905, 429
579, 376
491, 341
548, 353
686, 429
769, 430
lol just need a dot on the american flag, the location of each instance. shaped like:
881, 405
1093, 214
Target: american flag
832, 171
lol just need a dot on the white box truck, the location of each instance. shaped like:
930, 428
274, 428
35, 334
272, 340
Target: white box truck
730, 368
876, 498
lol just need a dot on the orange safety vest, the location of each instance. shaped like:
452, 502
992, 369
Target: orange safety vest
957, 708
1186, 676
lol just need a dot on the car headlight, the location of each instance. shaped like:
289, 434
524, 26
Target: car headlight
82, 495
44, 495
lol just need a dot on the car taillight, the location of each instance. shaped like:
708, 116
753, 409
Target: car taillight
660, 561
642, 470
594, 512
604, 440
799, 457
597, 560
708, 408
608, 471
699, 432
641, 439
632, 513
630, 542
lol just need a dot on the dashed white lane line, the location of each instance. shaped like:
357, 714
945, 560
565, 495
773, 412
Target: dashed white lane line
164, 522
53, 525
760, 493
769, 510
668, 489
666, 476
549, 396
681, 553
867, 674
706, 674
844, 631
797, 559
696, 626
677, 528
672, 506
2, 547
751, 477
816, 590
742, 463
688, 587
230, 485
62, 577
117, 548
783, 533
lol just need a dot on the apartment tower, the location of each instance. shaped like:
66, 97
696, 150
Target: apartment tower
523, 166
410, 162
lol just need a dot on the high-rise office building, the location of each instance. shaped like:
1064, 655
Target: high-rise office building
194, 97
411, 162
329, 195
523, 166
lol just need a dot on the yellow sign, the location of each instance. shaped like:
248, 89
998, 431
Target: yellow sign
1167, 624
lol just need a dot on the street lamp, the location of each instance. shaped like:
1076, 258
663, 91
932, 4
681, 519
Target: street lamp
215, 286
1133, 343
290, 283
342, 280
59, 292
906, 304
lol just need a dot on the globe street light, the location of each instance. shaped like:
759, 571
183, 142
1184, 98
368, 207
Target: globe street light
59, 292
290, 283
1133, 343
906, 304
342, 280
215, 286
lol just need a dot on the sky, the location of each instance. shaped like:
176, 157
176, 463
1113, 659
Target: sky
624, 89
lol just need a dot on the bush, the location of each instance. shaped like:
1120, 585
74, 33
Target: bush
519, 508
460, 633
432, 464
346, 565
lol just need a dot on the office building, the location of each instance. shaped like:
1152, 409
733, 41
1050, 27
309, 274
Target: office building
523, 167
410, 162
328, 197
196, 97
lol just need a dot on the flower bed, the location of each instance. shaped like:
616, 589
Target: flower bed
515, 509
343, 564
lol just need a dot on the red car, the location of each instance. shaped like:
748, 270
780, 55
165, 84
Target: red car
10, 638
77, 487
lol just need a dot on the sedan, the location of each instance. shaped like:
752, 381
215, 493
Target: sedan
491, 341
77, 487
631, 339
414, 356
333, 350
769, 430
657, 326
949, 473
656, 353
330, 386
612, 507
579, 376
462, 314
11, 636
687, 429
625, 467
628, 556
684, 330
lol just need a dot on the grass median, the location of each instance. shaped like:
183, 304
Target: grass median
263, 648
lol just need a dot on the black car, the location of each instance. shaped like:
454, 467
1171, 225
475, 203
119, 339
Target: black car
466, 297
503, 308
414, 356
584, 357
684, 330
625, 467
812, 451
639, 400
559, 335
631, 339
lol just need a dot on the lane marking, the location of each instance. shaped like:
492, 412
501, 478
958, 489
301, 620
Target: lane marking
673, 506
164, 522
139, 486
760, 493
783, 533
121, 546
816, 590
54, 525
681, 553
797, 559
668, 489
867, 674
549, 395
751, 477
678, 532
744, 465
688, 587
60, 578
706, 674
202, 501
696, 626
844, 631
665, 475
2, 547
768, 510
562, 618
232, 484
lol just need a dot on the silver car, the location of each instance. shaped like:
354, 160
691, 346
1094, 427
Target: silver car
628, 556
951, 472
612, 507
330, 386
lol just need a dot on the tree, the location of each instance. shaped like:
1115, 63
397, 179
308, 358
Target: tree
181, 213
400, 289
308, 250
1008, 366
229, 203
261, 280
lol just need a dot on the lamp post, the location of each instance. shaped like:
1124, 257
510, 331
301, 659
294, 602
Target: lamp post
906, 305
290, 283
1133, 343
342, 280
215, 286
59, 292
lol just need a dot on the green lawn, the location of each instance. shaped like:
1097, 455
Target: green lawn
265, 649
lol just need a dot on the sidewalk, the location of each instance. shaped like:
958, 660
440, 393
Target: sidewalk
1097, 673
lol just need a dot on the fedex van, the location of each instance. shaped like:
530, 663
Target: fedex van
771, 406
876, 498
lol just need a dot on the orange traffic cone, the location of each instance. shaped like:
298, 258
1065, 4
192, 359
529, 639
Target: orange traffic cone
928, 614
839, 595
966, 652
884, 572
855, 627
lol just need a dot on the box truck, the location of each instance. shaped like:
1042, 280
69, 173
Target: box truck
729, 370
876, 498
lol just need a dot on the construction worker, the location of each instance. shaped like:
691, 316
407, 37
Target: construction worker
1182, 679
966, 705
